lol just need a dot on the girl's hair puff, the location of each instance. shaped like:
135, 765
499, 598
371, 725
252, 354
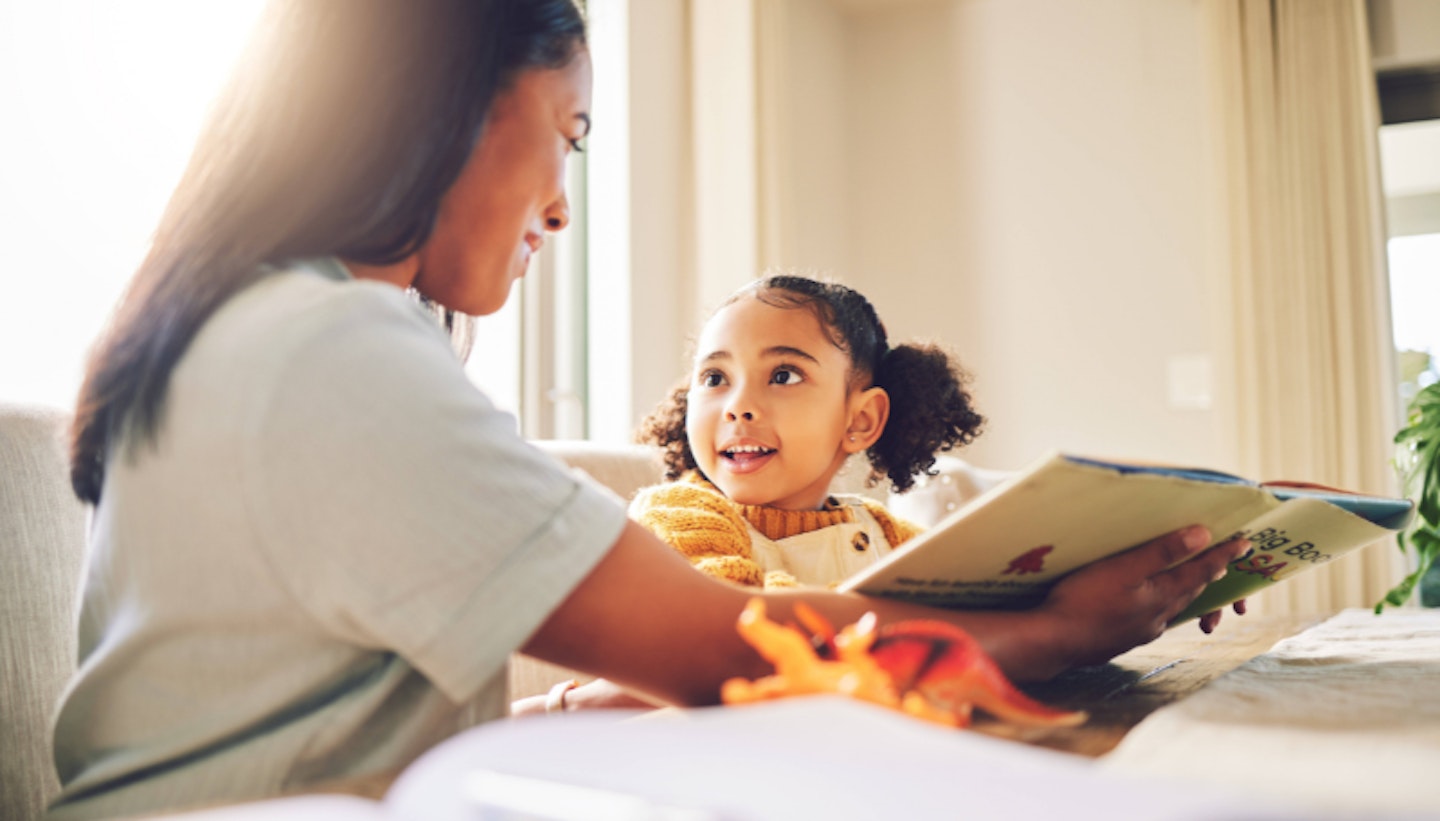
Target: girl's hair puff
930, 406
665, 428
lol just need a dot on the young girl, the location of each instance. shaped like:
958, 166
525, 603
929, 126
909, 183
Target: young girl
792, 377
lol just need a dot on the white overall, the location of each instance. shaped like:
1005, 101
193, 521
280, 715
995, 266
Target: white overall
824, 557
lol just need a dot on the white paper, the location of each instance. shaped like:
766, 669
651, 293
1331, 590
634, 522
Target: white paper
824, 757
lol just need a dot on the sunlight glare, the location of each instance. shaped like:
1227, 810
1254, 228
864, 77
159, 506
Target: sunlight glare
103, 103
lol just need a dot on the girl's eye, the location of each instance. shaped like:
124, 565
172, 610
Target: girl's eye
787, 376
711, 379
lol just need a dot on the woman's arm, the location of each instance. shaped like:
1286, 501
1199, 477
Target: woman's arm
644, 619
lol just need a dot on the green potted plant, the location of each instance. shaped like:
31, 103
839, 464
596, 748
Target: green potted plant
1419, 463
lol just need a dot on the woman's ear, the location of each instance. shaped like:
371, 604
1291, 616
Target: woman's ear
869, 411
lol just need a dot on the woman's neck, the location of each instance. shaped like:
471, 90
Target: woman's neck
400, 274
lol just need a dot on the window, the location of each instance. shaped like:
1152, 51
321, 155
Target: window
1410, 160
1414, 295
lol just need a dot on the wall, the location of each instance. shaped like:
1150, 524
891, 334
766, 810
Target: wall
1404, 33
1026, 181
807, 99
1410, 167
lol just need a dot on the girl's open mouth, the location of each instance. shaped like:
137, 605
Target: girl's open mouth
746, 458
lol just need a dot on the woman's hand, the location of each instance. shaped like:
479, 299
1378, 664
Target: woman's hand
1127, 600
1209, 620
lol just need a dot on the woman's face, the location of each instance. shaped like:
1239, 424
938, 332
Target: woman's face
510, 192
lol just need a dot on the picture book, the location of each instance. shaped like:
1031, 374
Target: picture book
1006, 547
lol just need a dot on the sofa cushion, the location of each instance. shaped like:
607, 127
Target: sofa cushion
42, 544
955, 482
623, 468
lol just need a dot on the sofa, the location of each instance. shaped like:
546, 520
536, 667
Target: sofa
42, 547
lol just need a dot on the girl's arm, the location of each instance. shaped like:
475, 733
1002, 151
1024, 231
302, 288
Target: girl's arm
703, 526
646, 620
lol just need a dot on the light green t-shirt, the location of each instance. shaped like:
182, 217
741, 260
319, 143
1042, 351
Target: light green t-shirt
321, 567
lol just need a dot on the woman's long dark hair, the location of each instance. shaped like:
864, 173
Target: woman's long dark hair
343, 125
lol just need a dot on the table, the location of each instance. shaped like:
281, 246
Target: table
1120, 694
1117, 695
1342, 720
841, 759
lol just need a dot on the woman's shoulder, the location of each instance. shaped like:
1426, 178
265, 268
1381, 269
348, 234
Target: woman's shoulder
321, 293
309, 314
301, 345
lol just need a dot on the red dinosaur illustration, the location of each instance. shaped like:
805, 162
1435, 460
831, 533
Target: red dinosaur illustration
1032, 561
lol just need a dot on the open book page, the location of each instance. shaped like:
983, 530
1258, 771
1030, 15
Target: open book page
1008, 546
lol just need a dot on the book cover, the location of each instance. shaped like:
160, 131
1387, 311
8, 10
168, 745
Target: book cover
1007, 547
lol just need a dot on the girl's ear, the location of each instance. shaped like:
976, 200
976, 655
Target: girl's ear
869, 411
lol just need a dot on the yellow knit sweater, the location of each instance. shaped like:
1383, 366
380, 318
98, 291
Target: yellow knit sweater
695, 518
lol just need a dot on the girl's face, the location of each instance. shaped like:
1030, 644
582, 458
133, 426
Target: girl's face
770, 406
510, 192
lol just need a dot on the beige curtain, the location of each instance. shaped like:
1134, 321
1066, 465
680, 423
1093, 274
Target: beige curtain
1313, 392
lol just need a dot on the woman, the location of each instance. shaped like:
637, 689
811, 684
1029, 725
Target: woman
315, 543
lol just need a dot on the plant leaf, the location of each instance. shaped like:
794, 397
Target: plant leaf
1419, 465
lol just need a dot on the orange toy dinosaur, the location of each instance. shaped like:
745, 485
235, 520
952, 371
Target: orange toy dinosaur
928, 669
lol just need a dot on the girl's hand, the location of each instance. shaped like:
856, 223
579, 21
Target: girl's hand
1127, 600
599, 694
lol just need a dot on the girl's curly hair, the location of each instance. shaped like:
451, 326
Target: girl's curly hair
930, 407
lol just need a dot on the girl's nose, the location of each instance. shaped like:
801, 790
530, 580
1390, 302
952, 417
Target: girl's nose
557, 216
741, 401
